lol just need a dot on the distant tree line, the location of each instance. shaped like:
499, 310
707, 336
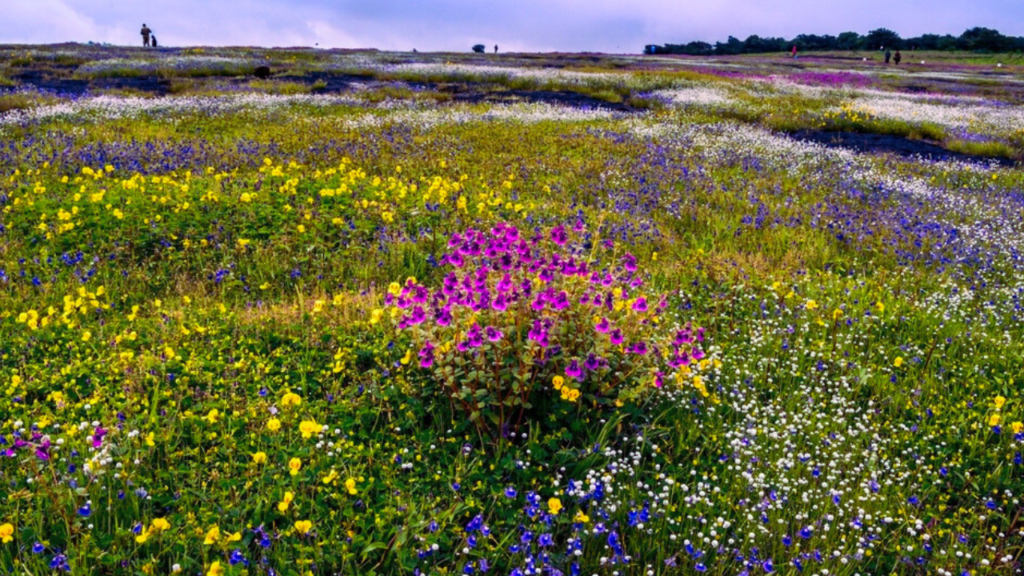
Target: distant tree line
975, 39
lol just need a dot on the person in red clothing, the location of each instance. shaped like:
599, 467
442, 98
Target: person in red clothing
794, 51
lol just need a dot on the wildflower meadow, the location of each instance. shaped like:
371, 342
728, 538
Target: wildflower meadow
428, 314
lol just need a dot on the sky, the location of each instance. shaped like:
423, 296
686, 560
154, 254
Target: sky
614, 26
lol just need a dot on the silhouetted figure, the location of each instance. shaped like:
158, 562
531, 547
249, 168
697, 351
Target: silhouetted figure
153, 40
262, 72
897, 58
888, 56
495, 48
794, 51
145, 35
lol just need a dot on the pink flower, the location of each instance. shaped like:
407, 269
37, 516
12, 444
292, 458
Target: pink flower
640, 305
493, 334
603, 326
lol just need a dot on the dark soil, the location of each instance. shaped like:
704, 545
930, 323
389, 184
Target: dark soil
473, 94
64, 85
887, 143
62, 82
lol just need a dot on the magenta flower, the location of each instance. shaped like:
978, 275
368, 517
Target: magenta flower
97, 437
499, 303
640, 305
493, 334
573, 370
558, 235
616, 336
629, 262
426, 355
603, 326
561, 301
505, 284
418, 315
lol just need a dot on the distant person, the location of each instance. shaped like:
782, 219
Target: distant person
888, 56
794, 51
897, 58
145, 35
153, 40
495, 48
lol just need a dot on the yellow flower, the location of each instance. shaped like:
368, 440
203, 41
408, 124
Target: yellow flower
350, 485
215, 569
1017, 427
161, 524
141, 538
581, 518
273, 424
555, 505
149, 439
212, 535
291, 399
86, 336
259, 457
330, 477
811, 304
557, 382
999, 401
994, 420
304, 526
308, 428
282, 506
898, 361
6, 533
212, 416
395, 289
294, 464
570, 394
235, 537
375, 316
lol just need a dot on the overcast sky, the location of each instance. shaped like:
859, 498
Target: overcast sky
515, 25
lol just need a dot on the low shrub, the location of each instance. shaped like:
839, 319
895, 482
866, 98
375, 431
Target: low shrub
522, 313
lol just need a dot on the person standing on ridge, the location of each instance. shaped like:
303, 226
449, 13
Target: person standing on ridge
794, 51
495, 48
888, 56
145, 35
897, 57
